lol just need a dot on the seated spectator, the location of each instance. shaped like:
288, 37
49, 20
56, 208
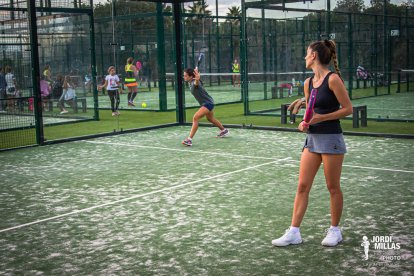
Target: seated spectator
68, 95
289, 86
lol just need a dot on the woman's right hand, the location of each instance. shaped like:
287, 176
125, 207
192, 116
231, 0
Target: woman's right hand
303, 126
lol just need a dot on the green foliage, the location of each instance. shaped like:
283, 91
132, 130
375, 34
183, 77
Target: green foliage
234, 11
350, 5
200, 17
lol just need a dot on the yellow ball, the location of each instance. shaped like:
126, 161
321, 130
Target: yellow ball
144, 105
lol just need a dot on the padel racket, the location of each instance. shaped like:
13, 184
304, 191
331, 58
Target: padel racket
200, 60
311, 104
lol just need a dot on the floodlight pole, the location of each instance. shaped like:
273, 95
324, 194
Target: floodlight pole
161, 59
179, 63
93, 62
35, 71
114, 44
243, 60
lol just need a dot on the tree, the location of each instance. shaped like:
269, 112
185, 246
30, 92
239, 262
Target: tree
234, 11
350, 6
201, 18
408, 3
199, 7
199, 10
234, 15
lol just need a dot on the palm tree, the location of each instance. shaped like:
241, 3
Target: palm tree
234, 15
200, 11
198, 22
234, 11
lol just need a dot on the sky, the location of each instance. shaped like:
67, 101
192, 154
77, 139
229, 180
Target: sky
224, 5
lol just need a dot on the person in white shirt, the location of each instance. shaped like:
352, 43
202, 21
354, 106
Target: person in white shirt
112, 83
10, 88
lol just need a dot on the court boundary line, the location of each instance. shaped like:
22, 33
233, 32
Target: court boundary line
180, 150
237, 155
134, 197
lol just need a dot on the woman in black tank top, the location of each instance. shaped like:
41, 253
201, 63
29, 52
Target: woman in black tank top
324, 141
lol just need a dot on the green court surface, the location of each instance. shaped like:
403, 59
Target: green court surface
143, 204
399, 106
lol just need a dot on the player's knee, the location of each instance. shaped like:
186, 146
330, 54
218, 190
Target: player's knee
334, 189
304, 187
195, 119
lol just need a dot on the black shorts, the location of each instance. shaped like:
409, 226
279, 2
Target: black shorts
209, 106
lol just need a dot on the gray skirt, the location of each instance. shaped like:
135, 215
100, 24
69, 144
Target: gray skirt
325, 143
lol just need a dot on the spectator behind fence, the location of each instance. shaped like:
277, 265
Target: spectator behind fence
45, 90
11, 88
68, 95
88, 81
130, 80
47, 74
3, 86
235, 68
57, 92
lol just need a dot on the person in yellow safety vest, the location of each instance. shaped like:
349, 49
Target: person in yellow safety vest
235, 67
130, 80
47, 74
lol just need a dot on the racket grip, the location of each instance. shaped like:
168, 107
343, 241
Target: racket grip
308, 115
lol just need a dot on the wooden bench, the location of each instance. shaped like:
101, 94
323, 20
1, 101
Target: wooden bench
284, 115
277, 91
77, 101
359, 113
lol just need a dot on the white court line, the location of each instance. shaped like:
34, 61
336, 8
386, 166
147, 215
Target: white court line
241, 156
181, 150
378, 169
136, 196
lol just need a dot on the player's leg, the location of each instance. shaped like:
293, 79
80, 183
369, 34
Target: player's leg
117, 101
210, 117
332, 164
130, 94
134, 93
223, 131
309, 165
111, 95
203, 111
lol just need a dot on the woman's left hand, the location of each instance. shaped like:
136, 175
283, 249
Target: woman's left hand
196, 74
316, 118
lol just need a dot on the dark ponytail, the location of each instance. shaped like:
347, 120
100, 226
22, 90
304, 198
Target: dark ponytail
332, 46
190, 72
326, 50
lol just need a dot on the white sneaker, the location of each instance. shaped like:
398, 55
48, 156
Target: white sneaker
289, 237
333, 237
64, 112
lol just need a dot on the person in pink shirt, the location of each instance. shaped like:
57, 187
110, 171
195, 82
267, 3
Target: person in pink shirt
45, 90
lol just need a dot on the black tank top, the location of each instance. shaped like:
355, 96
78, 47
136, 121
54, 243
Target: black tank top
325, 103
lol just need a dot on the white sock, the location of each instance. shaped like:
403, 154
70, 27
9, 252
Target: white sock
189, 138
294, 229
336, 228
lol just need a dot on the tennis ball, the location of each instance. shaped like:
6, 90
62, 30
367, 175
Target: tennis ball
144, 105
